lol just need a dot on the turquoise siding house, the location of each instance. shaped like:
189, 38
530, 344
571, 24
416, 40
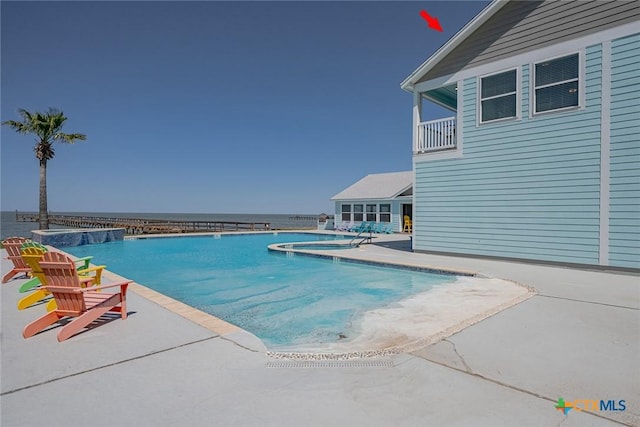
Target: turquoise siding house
539, 158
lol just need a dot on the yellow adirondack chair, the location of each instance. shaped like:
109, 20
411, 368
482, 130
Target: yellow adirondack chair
82, 264
407, 224
12, 246
32, 255
85, 304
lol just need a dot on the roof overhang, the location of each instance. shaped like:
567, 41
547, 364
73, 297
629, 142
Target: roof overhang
398, 194
445, 49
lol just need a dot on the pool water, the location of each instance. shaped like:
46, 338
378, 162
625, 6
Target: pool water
286, 301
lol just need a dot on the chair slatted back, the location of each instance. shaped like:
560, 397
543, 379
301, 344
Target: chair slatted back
12, 246
60, 272
32, 244
32, 255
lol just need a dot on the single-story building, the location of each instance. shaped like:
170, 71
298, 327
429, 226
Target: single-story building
382, 198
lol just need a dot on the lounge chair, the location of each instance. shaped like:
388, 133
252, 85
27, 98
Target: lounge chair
381, 227
388, 228
82, 264
32, 255
344, 226
364, 226
85, 304
12, 246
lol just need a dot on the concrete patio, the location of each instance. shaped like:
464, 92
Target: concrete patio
578, 338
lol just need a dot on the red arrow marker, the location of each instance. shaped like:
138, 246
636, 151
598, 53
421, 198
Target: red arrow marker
432, 21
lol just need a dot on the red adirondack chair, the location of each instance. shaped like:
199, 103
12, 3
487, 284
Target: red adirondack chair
13, 245
85, 304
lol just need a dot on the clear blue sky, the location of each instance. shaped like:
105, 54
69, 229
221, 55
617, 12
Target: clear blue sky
213, 107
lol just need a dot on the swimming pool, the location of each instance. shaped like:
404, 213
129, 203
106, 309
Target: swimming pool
286, 301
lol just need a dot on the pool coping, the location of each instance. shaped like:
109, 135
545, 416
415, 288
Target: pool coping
289, 248
251, 342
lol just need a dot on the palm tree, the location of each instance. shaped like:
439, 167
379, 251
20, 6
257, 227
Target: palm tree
47, 129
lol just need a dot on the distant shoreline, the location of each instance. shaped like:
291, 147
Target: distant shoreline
10, 227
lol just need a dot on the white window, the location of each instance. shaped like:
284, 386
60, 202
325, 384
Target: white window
556, 84
498, 94
385, 213
346, 212
357, 212
372, 212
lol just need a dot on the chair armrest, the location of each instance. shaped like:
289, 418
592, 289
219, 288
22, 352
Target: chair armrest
74, 290
97, 269
86, 280
110, 285
90, 269
84, 260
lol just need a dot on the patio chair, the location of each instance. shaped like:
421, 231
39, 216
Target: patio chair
32, 255
381, 227
12, 246
349, 226
344, 226
362, 227
407, 224
85, 304
82, 264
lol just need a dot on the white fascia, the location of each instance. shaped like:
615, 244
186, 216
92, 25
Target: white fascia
408, 83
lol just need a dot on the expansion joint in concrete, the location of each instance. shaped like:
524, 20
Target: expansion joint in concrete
97, 368
518, 389
590, 302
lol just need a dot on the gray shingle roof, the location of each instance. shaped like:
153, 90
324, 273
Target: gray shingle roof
378, 186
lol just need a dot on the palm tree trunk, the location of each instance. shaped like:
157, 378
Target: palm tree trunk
44, 212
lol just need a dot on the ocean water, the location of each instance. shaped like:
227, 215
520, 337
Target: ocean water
10, 227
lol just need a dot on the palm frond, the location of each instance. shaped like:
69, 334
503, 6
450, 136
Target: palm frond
69, 138
18, 126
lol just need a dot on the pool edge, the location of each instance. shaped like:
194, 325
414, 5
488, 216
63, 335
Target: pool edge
249, 341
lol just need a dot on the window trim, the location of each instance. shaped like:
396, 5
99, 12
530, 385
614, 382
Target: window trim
380, 213
361, 213
518, 94
368, 213
344, 212
581, 84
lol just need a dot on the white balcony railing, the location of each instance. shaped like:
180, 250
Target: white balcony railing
436, 135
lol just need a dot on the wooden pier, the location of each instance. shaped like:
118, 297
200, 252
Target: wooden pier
145, 225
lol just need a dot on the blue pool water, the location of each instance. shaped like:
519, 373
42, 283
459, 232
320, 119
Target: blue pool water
284, 300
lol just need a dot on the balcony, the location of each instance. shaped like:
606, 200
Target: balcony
435, 135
